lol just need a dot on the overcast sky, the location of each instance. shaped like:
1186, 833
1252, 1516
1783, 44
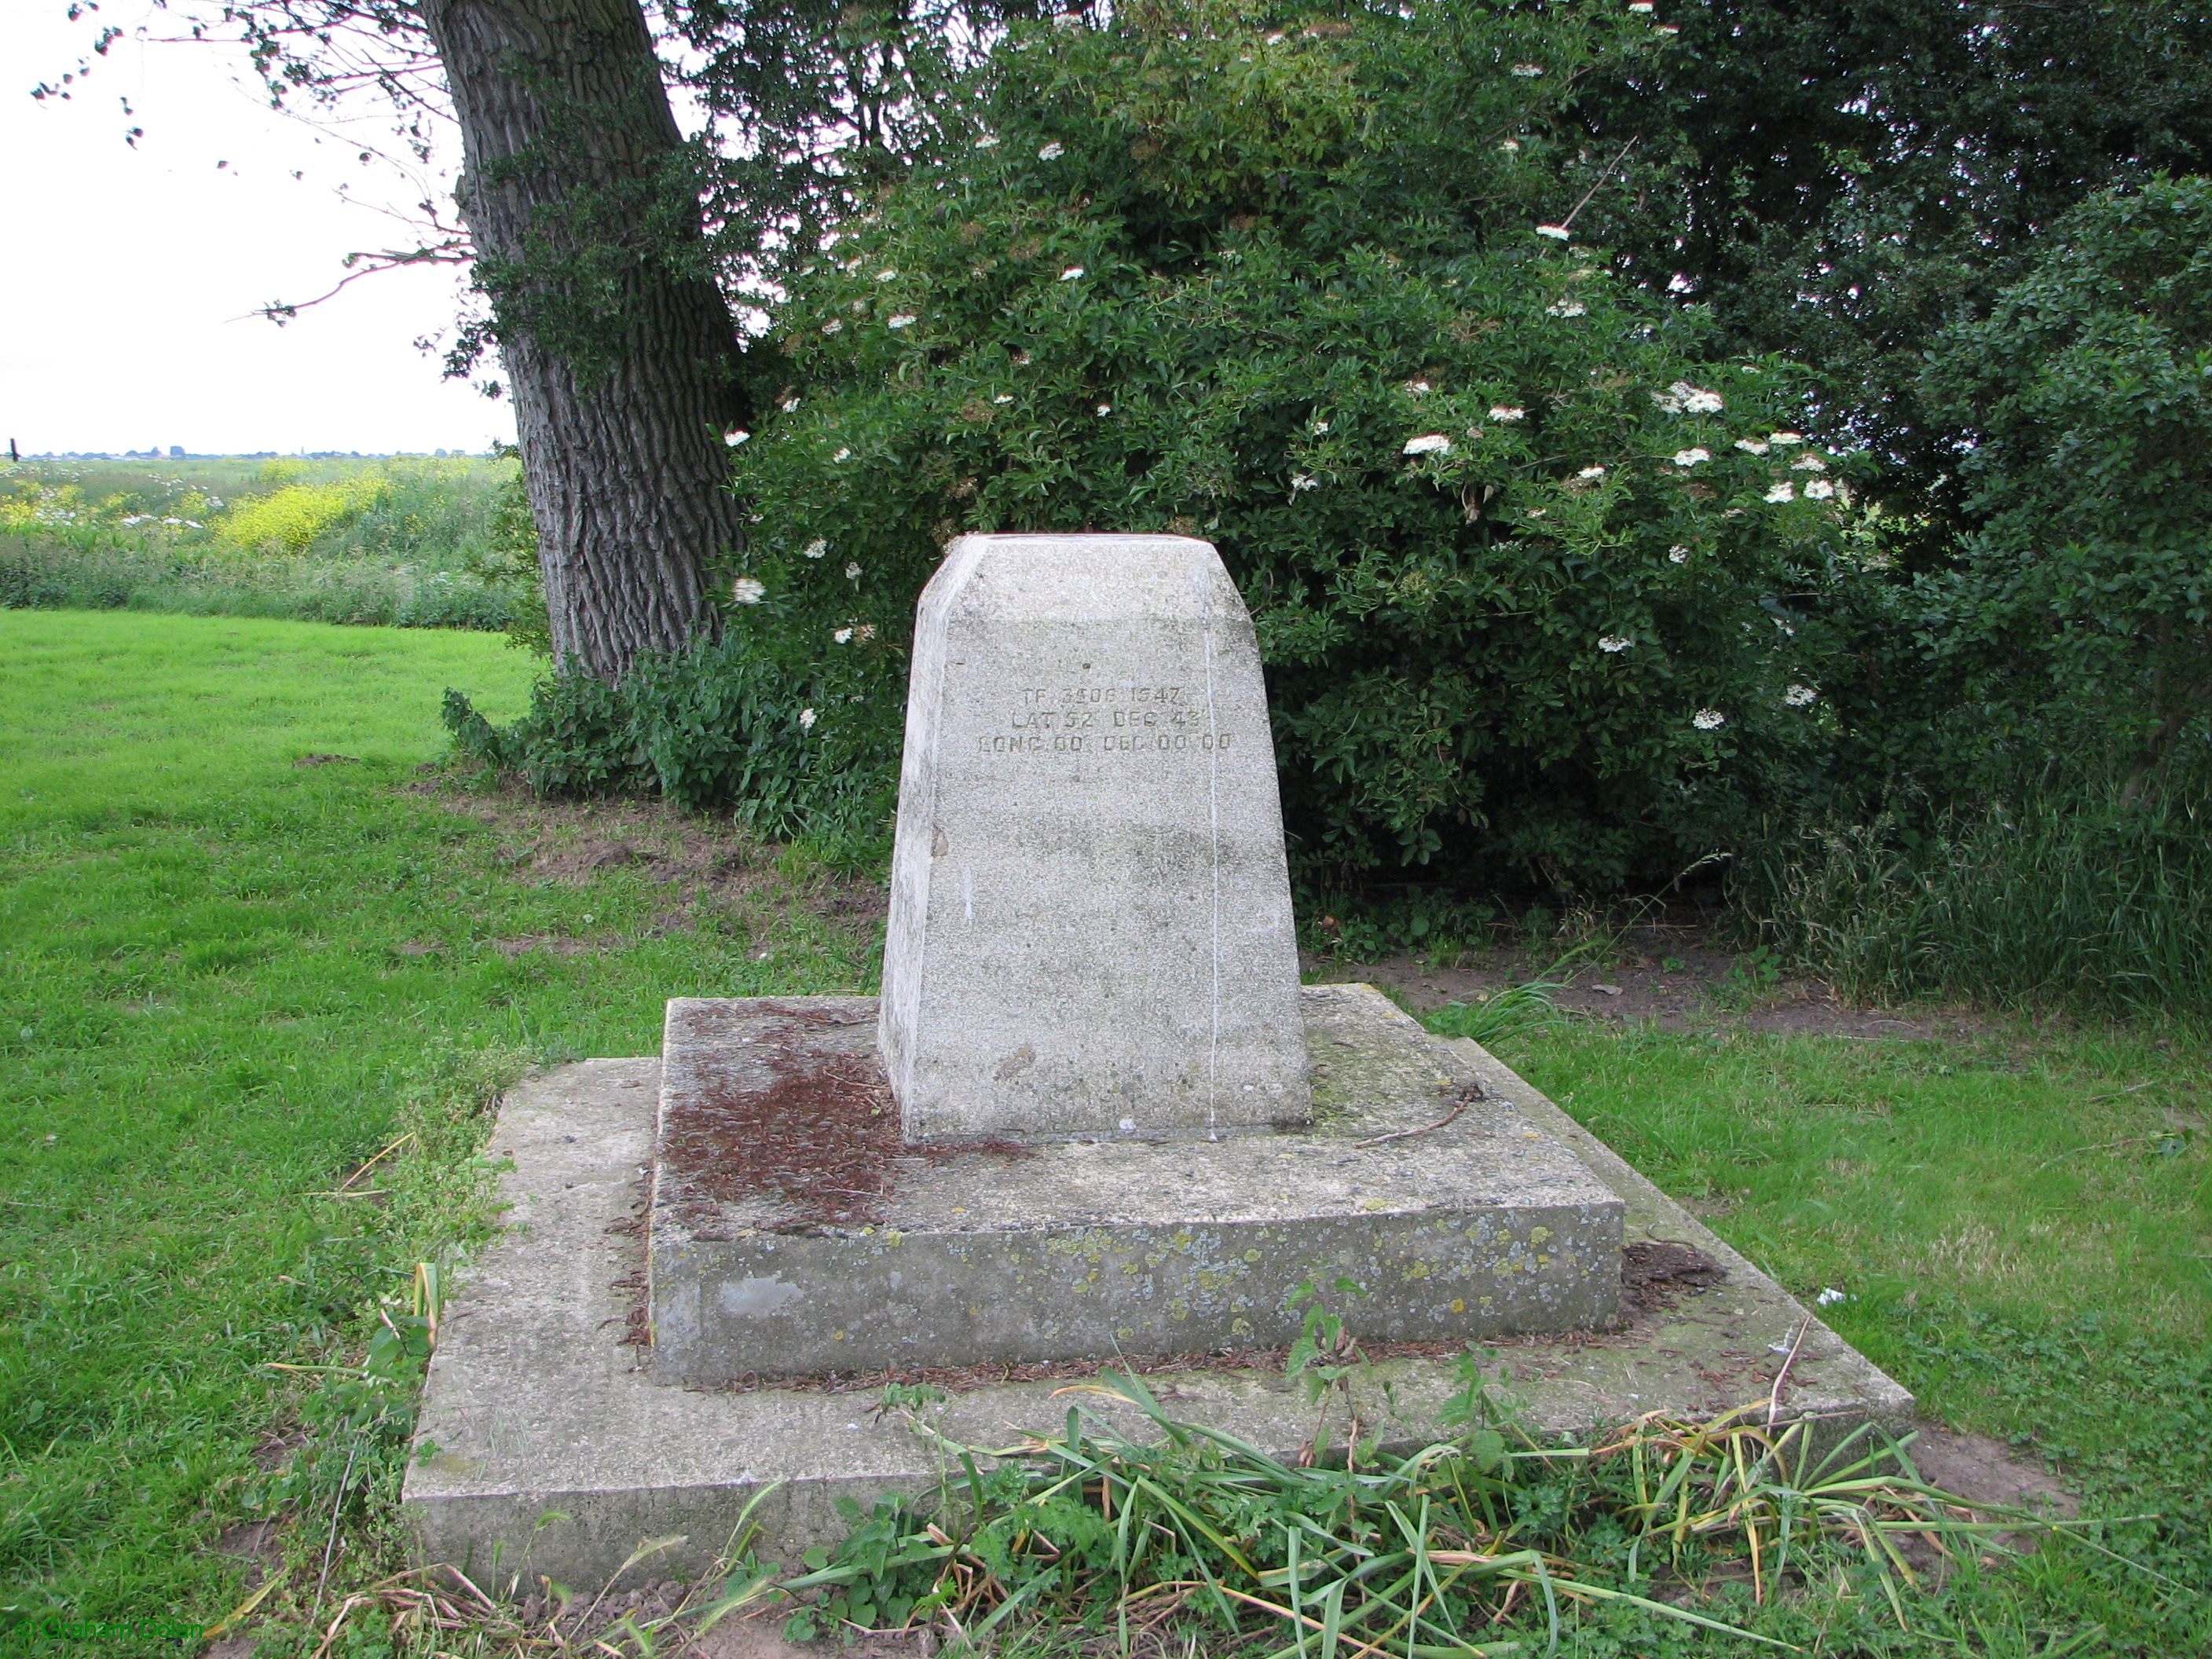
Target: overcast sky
128, 276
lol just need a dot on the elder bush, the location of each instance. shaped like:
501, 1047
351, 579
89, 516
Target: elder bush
1525, 561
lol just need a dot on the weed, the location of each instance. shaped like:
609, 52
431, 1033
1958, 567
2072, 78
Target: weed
1472, 1544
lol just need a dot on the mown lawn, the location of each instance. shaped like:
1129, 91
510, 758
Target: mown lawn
229, 979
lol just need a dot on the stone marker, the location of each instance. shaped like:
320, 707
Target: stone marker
1090, 929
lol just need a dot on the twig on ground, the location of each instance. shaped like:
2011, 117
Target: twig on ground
337, 1504
1467, 1097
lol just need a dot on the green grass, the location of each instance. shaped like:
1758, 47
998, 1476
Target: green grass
229, 979
2023, 1225
206, 1015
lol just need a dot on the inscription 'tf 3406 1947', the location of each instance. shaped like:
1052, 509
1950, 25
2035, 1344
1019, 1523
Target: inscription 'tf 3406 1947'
1091, 927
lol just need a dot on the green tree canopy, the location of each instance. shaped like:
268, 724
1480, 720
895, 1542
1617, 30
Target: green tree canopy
2084, 400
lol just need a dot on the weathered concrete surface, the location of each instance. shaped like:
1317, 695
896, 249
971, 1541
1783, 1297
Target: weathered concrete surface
1090, 924
555, 1454
1480, 1227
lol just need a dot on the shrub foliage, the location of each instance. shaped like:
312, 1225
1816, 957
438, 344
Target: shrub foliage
1524, 557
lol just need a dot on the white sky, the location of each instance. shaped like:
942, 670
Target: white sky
128, 277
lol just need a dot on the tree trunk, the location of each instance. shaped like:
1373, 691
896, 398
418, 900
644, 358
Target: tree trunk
620, 351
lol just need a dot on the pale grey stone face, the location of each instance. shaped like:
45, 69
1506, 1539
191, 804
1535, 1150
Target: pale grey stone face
1091, 926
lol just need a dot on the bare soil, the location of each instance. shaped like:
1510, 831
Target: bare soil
707, 863
1671, 974
1984, 1471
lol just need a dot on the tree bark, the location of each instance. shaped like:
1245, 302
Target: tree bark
620, 351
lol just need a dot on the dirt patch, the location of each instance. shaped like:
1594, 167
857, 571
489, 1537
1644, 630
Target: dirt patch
710, 864
577, 862
1653, 1275
260, 1544
554, 945
275, 1448
327, 760
1672, 975
817, 1136
1984, 1471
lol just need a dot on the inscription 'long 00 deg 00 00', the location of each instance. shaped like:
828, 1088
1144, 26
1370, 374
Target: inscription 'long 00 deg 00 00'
1105, 719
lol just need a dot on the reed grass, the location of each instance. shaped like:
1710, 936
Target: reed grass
2064, 895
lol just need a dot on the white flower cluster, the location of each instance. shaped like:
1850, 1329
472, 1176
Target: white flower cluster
1301, 481
1782, 492
1528, 71
1071, 274
1052, 152
1683, 399
1566, 309
1613, 644
1506, 414
1431, 443
1709, 719
816, 549
747, 591
861, 631
1753, 446
904, 319
1800, 697
1692, 457
733, 437
1556, 232
1590, 473
807, 720
1678, 554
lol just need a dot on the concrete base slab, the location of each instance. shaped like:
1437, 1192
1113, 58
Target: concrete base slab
794, 1232
545, 1448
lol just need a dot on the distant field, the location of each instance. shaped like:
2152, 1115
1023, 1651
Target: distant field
418, 542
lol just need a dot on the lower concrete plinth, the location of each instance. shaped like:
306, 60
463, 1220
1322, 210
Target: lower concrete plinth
794, 1232
545, 1448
